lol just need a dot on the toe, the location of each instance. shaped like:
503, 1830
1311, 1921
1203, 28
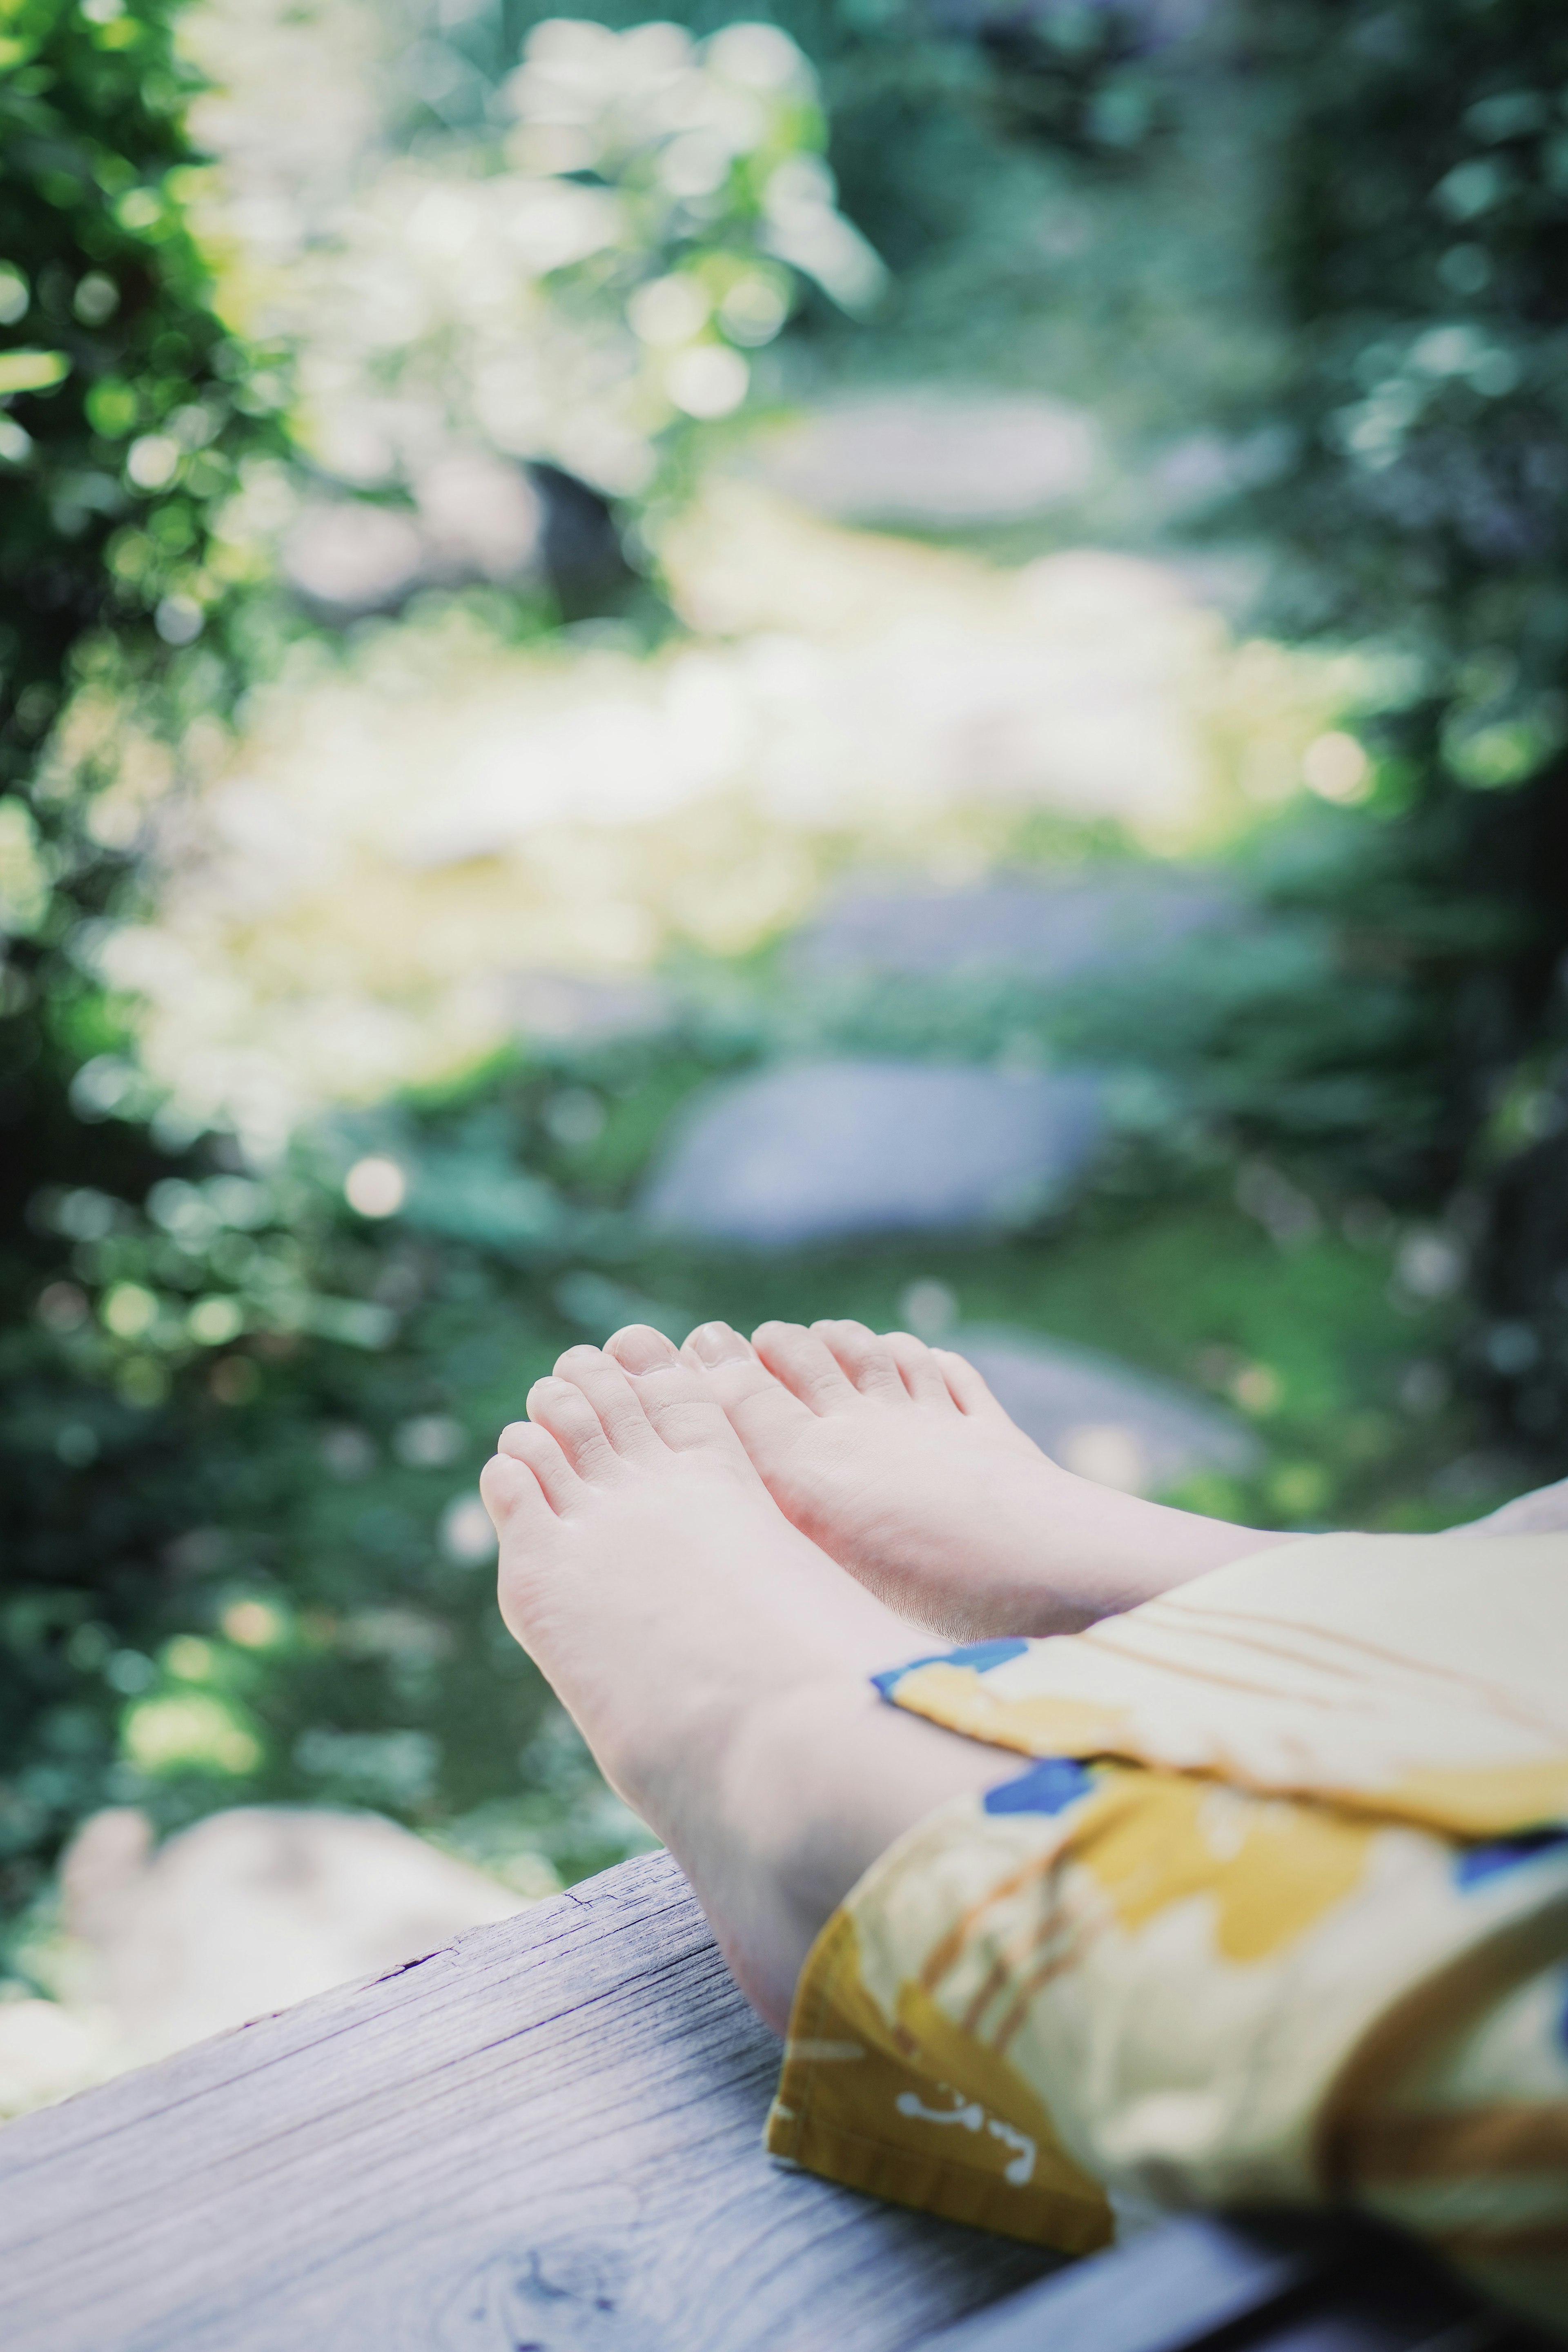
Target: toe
865, 1358
806, 1365
561, 1408
767, 1418
919, 1371
683, 1407
969, 1391
637, 1348
601, 1378
526, 1457
509, 1490
715, 1345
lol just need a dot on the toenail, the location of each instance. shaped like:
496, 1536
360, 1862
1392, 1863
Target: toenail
715, 1343
640, 1349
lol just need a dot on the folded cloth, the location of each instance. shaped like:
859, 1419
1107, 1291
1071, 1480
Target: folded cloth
1278, 1915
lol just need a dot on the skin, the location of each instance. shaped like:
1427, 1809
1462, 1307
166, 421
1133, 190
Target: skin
897, 1461
713, 1658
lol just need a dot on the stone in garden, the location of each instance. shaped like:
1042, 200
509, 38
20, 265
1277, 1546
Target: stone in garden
1108, 1421
251, 1909
565, 1004
823, 1150
932, 459
1041, 930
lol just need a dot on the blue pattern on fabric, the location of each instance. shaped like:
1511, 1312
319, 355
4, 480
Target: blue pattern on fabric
1048, 1787
983, 1655
1477, 1864
980, 1656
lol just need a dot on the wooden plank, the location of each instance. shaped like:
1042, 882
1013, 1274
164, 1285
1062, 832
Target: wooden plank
545, 2137
1178, 2286
1276, 2283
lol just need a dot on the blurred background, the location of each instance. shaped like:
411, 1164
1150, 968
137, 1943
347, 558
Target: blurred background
906, 662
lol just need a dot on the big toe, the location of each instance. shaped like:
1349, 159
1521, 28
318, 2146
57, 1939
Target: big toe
714, 1344
765, 1416
678, 1402
638, 1347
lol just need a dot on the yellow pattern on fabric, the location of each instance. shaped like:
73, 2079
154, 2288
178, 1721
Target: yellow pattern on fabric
1487, 1800
917, 2111
956, 1697
1292, 1928
1153, 1839
1478, 1802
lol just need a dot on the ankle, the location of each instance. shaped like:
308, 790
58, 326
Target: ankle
780, 1794
1113, 1550
821, 1781
1062, 1553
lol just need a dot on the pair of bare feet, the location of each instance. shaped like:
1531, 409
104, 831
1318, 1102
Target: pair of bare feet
709, 1551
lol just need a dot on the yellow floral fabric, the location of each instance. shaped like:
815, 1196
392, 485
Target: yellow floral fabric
1278, 1912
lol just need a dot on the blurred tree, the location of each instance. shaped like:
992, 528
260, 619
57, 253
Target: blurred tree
583, 294
128, 419
1407, 470
1420, 236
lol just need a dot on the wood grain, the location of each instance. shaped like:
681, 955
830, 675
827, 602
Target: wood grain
545, 2138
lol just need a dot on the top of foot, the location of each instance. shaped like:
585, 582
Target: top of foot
896, 1460
893, 1457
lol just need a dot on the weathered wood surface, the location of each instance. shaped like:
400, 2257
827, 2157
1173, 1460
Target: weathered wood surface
545, 2137
1275, 2282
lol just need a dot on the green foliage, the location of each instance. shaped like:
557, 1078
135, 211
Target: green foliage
127, 416
1401, 455
121, 552
588, 289
245, 1553
1420, 236
1060, 195
132, 410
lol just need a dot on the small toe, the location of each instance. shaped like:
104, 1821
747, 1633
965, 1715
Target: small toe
969, 1391
509, 1490
805, 1365
919, 1371
603, 1381
865, 1358
561, 1408
534, 1455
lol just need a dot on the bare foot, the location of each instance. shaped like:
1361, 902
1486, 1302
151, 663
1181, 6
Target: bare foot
713, 1658
896, 1460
